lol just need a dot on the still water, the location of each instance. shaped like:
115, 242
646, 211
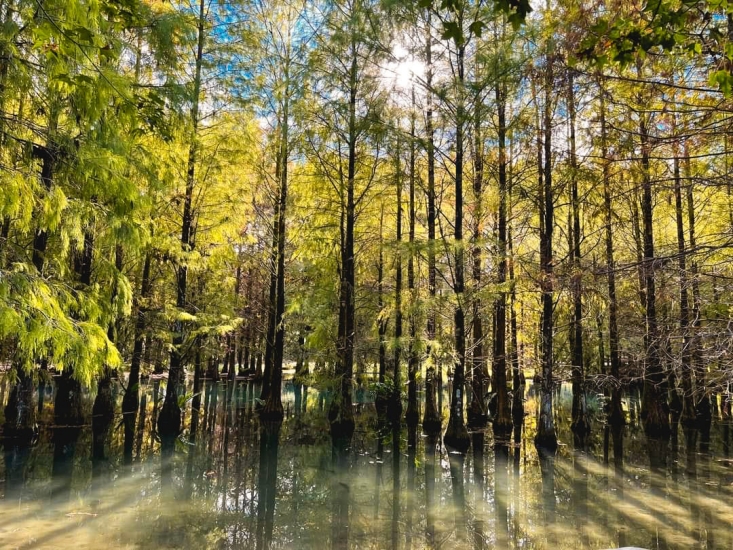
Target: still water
236, 484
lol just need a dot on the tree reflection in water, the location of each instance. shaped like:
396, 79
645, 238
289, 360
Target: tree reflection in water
234, 482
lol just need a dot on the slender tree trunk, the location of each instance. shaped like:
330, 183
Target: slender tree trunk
654, 406
130, 401
273, 409
688, 401
503, 421
381, 399
433, 378
341, 413
476, 410
703, 412
412, 414
396, 402
169, 419
615, 414
456, 436
518, 382
580, 423
546, 439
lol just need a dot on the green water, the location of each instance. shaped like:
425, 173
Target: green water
238, 484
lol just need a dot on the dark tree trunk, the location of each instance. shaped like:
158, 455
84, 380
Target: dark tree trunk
456, 436
130, 401
477, 411
546, 439
273, 408
412, 415
169, 419
616, 418
431, 418
518, 382
380, 401
341, 412
688, 400
654, 410
502, 423
395, 405
580, 422
704, 407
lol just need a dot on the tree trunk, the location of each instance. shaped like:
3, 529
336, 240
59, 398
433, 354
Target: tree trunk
688, 401
395, 409
412, 415
456, 436
703, 412
380, 401
654, 406
580, 423
341, 413
130, 401
546, 439
502, 423
273, 409
433, 379
169, 419
477, 410
616, 418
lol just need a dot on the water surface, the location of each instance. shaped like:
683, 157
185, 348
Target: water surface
235, 483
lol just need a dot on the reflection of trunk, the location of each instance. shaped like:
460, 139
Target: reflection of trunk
17, 453
615, 414
457, 461
580, 496
546, 439
501, 461
580, 423
340, 496
456, 436
431, 444
141, 427
380, 462
267, 483
478, 527
169, 419
411, 467
396, 486
431, 416
195, 412
547, 468
68, 419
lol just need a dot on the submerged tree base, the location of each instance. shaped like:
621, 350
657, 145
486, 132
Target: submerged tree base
456, 437
546, 444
